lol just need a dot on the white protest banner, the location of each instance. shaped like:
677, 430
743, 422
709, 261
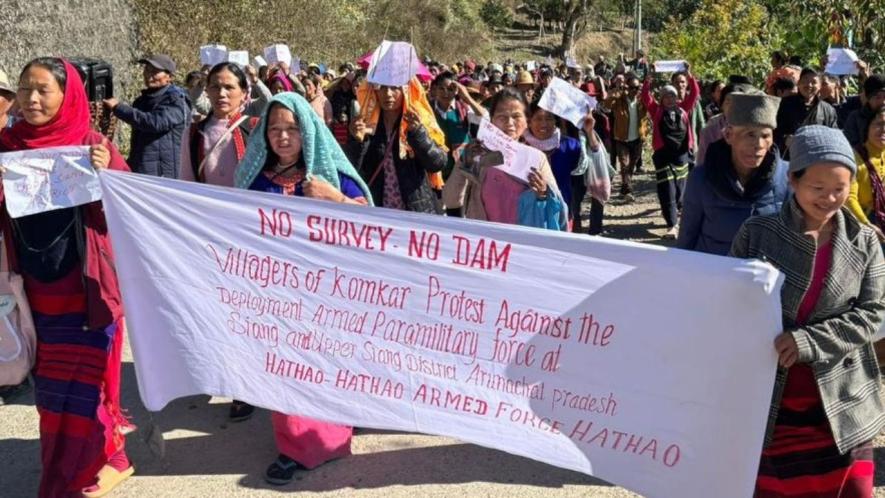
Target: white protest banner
525, 340
567, 101
47, 179
278, 53
531, 65
841, 61
238, 57
519, 159
211, 55
259, 61
571, 62
670, 66
393, 64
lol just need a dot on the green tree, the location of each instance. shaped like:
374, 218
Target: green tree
496, 14
721, 38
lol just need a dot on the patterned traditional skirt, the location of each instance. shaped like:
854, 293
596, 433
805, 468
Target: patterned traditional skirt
803, 460
77, 379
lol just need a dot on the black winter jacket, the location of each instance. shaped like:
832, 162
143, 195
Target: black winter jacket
158, 119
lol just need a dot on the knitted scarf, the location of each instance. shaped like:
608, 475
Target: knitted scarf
323, 157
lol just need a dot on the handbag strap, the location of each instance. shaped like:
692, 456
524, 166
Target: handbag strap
388, 151
227, 132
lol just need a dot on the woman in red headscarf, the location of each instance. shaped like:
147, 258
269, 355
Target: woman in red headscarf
66, 260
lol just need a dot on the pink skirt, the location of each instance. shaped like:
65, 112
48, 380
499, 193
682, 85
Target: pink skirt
310, 442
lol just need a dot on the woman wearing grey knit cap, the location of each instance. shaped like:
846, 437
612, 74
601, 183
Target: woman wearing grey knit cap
742, 176
826, 407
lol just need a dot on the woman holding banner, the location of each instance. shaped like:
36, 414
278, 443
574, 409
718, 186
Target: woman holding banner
66, 261
826, 407
292, 152
487, 193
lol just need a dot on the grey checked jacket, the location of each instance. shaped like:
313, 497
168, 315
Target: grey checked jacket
836, 342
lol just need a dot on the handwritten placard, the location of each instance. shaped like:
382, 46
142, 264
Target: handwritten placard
509, 337
674, 66
393, 64
567, 101
39, 180
238, 57
259, 61
841, 61
519, 159
211, 55
278, 53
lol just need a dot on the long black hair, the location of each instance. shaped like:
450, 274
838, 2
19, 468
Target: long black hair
232, 68
52, 64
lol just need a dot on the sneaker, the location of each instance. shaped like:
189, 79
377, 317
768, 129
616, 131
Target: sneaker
671, 234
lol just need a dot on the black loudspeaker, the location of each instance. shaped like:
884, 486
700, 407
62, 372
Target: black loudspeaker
98, 78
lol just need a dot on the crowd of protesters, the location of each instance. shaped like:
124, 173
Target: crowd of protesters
788, 170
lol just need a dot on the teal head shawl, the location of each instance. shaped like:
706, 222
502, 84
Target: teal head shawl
322, 155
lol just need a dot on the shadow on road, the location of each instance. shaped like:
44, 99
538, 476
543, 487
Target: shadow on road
206, 443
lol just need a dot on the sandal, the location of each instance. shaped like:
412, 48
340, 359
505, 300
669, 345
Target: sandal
108, 479
282, 471
240, 411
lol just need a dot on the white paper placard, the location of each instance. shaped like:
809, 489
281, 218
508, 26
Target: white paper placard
47, 179
519, 159
567, 101
259, 61
238, 57
393, 64
278, 53
211, 55
841, 61
670, 66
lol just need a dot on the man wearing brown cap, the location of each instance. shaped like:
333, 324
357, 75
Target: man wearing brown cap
158, 119
742, 176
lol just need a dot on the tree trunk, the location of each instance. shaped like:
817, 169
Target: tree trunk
568, 36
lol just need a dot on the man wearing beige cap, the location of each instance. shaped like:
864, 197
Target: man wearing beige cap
7, 100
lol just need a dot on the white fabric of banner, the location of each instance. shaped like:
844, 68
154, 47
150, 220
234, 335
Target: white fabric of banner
650, 368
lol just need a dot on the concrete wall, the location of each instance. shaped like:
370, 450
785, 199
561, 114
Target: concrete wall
103, 29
